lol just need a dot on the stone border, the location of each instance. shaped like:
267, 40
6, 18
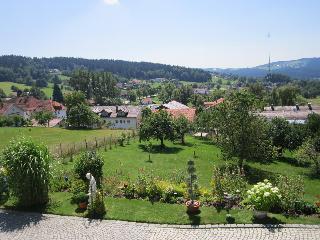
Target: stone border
173, 226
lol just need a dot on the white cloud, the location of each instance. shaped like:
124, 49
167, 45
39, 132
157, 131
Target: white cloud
111, 2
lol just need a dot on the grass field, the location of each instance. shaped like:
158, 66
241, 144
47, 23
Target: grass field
52, 136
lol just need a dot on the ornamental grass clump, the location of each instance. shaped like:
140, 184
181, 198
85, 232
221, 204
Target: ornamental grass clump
27, 167
262, 196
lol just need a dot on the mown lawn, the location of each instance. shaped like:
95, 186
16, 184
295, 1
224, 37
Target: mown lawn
145, 211
53, 136
6, 86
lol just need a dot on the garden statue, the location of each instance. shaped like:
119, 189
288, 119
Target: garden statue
92, 187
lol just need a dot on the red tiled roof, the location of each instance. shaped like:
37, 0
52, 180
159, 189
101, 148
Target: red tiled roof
213, 104
31, 104
189, 113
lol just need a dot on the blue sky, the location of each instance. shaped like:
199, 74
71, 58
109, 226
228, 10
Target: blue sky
194, 33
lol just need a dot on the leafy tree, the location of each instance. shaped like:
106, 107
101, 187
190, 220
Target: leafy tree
132, 96
313, 123
37, 93
277, 78
27, 164
79, 114
308, 153
279, 132
167, 92
57, 94
2, 93
41, 83
182, 127
242, 135
288, 95
158, 125
183, 94
43, 117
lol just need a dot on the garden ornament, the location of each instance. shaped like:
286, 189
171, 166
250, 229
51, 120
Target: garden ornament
92, 187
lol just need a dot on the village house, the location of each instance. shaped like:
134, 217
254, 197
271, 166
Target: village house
214, 103
146, 101
293, 114
119, 117
201, 91
173, 105
27, 106
177, 109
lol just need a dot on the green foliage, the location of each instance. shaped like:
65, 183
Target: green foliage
183, 94
80, 197
27, 164
313, 123
3, 182
263, 196
2, 94
291, 188
37, 93
285, 135
192, 183
158, 125
167, 92
182, 126
242, 135
89, 162
79, 114
307, 154
13, 121
43, 117
121, 139
97, 209
57, 93
228, 181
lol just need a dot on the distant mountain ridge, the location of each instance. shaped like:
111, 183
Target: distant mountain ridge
304, 68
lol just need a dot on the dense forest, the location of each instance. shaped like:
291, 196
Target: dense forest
22, 69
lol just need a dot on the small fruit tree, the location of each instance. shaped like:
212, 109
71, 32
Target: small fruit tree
27, 167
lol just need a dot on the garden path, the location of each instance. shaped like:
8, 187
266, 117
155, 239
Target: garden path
34, 226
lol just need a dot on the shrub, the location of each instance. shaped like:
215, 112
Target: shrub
262, 196
291, 189
307, 154
80, 197
121, 139
89, 162
27, 164
97, 209
60, 181
228, 181
3, 182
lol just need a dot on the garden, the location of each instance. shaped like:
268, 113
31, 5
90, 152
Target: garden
140, 181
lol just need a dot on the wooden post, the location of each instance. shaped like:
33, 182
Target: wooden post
96, 142
60, 150
86, 144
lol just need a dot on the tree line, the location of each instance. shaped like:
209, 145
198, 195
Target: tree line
18, 68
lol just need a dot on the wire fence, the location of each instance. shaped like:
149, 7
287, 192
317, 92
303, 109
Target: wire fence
69, 150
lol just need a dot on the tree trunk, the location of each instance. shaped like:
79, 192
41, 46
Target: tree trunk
182, 139
241, 166
162, 144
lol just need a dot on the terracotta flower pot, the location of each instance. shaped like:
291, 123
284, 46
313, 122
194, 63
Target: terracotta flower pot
83, 205
193, 206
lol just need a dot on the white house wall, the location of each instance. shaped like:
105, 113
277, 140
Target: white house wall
122, 123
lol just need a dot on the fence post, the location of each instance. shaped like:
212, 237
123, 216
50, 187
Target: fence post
86, 144
60, 150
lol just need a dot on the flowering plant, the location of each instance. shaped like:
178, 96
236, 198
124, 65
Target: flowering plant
262, 196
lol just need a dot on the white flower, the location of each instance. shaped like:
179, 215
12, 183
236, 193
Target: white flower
266, 194
237, 191
266, 180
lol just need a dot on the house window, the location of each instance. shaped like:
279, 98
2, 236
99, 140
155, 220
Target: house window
128, 121
116, 121
120, 121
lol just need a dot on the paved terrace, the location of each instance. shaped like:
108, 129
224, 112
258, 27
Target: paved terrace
34, 226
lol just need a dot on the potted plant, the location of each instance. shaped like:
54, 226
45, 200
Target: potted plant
192, 205
261, 198
81, 199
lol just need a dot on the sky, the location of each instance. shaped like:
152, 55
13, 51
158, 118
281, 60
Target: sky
192, 33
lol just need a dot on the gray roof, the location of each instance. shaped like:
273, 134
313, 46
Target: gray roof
132, 111
174, 105
289, 112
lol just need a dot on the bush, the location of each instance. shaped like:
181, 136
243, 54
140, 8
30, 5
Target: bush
291, 189
80, 197
97, 209
60, 181
3, 182
228, 181
89, 162
27, 164
307, 154
262, 196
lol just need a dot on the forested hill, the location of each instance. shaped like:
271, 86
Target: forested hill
305, 68
14, 67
